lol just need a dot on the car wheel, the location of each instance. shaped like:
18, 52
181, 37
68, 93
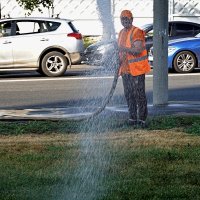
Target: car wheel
54, 64
184, 62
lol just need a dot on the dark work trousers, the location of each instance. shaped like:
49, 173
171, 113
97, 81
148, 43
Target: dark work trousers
134, 91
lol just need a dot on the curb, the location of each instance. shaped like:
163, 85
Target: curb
74, 113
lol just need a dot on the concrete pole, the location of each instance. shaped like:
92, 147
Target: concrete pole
160, 48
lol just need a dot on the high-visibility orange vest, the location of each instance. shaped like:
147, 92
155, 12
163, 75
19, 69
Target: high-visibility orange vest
137, 64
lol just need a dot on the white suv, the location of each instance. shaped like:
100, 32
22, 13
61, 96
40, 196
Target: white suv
46, 44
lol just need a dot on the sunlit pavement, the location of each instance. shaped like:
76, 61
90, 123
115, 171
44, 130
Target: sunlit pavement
70, 113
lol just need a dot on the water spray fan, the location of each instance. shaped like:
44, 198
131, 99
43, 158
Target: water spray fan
115, 66
106, 17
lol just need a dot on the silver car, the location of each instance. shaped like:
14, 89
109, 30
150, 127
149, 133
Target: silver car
48, 45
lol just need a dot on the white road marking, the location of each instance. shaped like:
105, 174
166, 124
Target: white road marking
171, 75
81, 78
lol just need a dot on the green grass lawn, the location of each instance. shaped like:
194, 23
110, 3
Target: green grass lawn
62, 160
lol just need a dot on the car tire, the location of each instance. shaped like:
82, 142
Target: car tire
184, 62
54, 64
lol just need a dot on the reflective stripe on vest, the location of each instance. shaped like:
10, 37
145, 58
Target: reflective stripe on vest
137, 59
131, 40
131, 36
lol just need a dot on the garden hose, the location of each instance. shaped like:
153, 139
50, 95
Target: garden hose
110, 94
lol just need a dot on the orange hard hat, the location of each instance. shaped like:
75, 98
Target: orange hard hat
126, 13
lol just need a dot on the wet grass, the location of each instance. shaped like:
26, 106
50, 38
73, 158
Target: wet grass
39, 159
188, 124
156, 173
32, 169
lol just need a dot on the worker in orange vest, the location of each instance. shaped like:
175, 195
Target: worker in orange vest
133, 67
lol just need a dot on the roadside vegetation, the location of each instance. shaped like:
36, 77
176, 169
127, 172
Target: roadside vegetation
88, 40
39, 159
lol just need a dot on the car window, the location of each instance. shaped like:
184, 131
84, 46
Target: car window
146, 26
52, 26
170, 30
196, 30
33, 27
27, 27
150, 33
5, 29
184, 29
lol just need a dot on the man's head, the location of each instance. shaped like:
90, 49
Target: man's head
126, 18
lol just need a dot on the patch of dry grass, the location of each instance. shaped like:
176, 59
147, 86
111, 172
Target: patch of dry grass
135, 139
158, 138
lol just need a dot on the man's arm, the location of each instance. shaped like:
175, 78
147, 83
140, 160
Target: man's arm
136, 48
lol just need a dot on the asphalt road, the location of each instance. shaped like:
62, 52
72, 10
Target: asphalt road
81, 86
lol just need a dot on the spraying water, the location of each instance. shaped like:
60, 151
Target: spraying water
105, 15
93, 160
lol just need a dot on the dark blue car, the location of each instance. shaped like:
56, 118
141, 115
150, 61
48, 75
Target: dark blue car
183, 54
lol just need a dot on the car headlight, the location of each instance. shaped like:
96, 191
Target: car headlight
103, 48
171, 50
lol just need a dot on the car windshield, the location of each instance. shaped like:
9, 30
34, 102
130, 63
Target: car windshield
145, 26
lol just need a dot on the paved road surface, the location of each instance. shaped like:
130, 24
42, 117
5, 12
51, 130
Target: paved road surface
81, 87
